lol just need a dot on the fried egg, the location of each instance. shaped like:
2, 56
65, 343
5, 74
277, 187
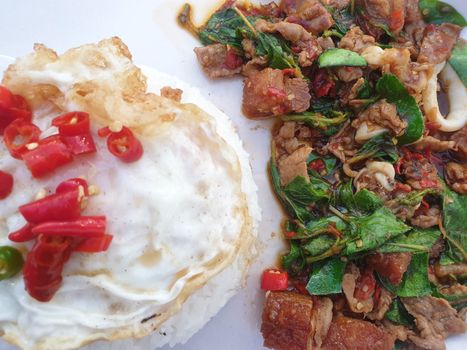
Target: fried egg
184, 217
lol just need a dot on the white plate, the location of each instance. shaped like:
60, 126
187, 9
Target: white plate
148, 27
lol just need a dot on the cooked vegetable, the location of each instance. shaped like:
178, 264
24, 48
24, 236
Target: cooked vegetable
399, 315
458, 60
83, 227
326, 277
94, 244
12, 107
6, 184
125, 146
11, 262
454, 214
417, 241
434, 11
19, 135
390, 88
318, 120
340, 57
274, 280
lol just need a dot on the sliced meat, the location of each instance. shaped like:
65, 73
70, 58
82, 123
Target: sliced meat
435, 320
294, 165
351, 334
305, 45
218, 61
254, 66
249, 48
310, 14
355, 40
342, 144
420, 173
399, 332
456, 177
349, 286
337, 4
171, 93
435, 145
437, 248
375, 14
382, 305
348, 74
270, 93
383, 114
452, 269
427, 218
414, 25
293, 321
391, 265
438, 42
326, 43
460, 138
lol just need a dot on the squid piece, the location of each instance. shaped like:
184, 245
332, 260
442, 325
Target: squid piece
383, 173
457, 95
364, 133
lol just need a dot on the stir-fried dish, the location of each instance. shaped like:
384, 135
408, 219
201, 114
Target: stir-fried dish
370, 169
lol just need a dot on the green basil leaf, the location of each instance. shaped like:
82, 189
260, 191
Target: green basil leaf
305, 193
223, 27
293, 262
340, 57
379, 147
390, 88
359, 203
326, 277
398, 314
325, 106
458, 60
317, 120
454, 216
374, 230
415, 282
418, 240
277, 50
318, 245
437, 12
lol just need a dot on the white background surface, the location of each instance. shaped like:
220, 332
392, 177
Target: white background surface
149, 28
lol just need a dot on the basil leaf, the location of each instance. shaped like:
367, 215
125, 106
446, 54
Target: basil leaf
340, 57
317, 120
364, 201
454, 216
343, 20
318, 245
417, 241
437, 12
223, 27
458, 301
329, 161
293, 209
374, 230
326, 277
379, 147
365, 90
458, 60
390, 88
279, 54
415, 282
293, 262
398, 314
305, 193
325, 105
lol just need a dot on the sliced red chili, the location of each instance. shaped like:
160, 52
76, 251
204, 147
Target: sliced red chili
317, 165
18, 134
72, 124
94, 244
104, 132
12, 107
42, 270
322, 83
82, 227
73, 184
125, 146
48, 156
24, 234
56, 207
274, 279
6, 184
79, 144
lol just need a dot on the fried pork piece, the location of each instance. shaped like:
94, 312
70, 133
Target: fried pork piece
438, 42
378, 13
355, 40
434, 144
428, 218
460, 138
310, 14
420, 173
435, 320
391, 265
218, 61
293, 321
270, 93
381, 114
343, 144
351, 334
294, 165
456, 177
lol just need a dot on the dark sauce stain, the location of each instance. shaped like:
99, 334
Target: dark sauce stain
144, 320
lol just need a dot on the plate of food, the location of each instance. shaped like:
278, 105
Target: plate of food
315, 176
